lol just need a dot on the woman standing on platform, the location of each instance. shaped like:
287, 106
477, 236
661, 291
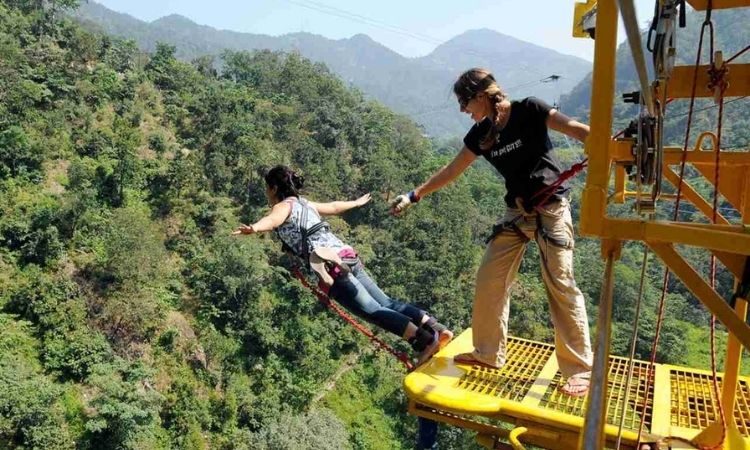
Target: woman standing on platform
513, 137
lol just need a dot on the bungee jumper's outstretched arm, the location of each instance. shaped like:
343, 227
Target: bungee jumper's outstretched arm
280, 211
276, 217
439, 179
338, 207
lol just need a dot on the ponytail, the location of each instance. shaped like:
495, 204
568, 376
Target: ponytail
287, 182
480, 81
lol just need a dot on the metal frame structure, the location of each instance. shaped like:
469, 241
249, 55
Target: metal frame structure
521, 403
606, 183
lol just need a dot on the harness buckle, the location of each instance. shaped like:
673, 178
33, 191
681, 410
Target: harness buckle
501, 227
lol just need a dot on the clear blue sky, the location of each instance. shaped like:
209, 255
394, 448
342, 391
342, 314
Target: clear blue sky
411, 28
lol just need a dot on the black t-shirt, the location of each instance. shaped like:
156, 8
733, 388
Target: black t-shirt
523, 151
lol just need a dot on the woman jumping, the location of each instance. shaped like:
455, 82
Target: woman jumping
297, 222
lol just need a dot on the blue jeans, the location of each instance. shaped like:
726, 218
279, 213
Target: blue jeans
358, 293
427, 436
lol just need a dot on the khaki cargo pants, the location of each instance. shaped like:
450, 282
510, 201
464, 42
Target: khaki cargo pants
566, 303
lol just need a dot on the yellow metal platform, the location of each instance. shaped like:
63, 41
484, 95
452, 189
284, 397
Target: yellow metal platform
525, 393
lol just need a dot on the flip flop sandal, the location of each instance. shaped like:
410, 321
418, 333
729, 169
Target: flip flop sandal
576, 386
470, 359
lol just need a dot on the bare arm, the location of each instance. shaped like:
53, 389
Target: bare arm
276, 217
439, 179
564, 124
448, 173
333, 208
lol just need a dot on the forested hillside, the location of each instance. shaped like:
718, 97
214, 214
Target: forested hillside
131, 319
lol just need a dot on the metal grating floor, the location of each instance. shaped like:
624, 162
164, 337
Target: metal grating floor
618, 372
693, 404
524, 362
527, 388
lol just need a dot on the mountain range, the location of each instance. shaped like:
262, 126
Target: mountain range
419, 87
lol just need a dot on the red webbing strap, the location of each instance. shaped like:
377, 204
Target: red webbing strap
549, 190
380, 344
564, 176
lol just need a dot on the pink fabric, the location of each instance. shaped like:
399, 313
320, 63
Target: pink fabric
347, 253
343, 253
336, 271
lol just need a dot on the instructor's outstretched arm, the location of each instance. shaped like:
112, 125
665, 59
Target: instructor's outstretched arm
442, 177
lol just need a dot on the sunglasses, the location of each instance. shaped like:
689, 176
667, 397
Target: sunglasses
464, 101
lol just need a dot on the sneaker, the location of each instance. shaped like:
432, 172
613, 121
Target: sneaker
444, 334
430, 349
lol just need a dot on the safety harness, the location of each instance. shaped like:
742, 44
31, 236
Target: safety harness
531, 209
305, 233
326, 263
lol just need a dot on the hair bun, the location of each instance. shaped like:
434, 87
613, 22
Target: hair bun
298, 181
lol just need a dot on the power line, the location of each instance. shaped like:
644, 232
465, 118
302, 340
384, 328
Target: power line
330, 10
527, 83
711, 106
338, 12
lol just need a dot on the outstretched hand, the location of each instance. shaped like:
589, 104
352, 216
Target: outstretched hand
244, 229
363, 200
399, 204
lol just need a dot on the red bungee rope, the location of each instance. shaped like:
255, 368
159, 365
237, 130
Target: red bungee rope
707, 24
325, 300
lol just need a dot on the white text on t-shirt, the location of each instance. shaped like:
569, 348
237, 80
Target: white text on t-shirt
506, 149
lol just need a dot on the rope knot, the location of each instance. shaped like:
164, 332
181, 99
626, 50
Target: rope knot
577, 167
718, 77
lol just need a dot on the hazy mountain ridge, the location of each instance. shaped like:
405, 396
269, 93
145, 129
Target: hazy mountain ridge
419, 87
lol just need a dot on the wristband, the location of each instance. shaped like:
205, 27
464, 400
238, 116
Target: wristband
413, 197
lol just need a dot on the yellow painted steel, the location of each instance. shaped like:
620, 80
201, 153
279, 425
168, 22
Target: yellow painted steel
715, 303
603, 89
620, 150
580, 14
714, 432
693, 196
525, 393
733, 263
728, 240
513, 437
681, 85
701, 5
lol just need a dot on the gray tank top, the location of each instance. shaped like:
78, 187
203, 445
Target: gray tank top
290, 231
